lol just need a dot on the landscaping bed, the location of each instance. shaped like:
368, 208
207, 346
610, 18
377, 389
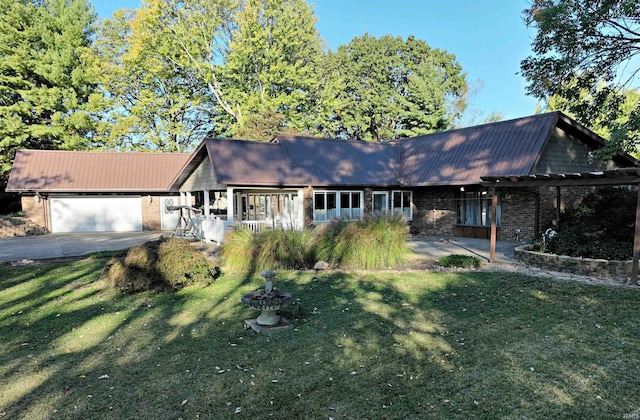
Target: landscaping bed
591, 267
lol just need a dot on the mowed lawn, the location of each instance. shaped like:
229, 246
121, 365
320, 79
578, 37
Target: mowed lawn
370, 345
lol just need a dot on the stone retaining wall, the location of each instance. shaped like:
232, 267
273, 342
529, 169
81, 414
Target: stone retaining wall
17, 226
604, 269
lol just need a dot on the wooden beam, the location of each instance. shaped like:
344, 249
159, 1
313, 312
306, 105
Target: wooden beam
494, 226
558, 202
636, 245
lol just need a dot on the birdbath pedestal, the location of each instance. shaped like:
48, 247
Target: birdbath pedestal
268, 301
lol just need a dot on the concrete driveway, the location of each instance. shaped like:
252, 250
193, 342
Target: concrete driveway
61, 245
434, 247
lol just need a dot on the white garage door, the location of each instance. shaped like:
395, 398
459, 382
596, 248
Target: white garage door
96, 214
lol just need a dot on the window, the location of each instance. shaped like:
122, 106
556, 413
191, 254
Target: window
474, 209
402, 201
328, 205
380, 200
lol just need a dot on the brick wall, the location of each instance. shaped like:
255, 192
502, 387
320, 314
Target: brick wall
518, 212
428, 222
151, 212
33, 211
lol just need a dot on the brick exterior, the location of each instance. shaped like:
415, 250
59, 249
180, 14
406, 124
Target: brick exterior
32, 211
426, 220
151, 212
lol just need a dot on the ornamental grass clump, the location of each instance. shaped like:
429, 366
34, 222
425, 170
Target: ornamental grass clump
288, 249
163, 265
239, 250
374, 242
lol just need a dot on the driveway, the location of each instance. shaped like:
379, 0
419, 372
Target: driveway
434, 247
61, 245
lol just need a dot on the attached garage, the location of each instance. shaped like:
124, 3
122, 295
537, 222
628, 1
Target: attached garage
77, 191
96, 214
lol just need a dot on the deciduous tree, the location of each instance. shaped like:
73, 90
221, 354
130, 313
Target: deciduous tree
149, 100
387, 88
584, 52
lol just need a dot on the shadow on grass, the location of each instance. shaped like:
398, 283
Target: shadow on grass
392, 345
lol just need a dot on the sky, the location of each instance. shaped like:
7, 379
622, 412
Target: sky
488, 38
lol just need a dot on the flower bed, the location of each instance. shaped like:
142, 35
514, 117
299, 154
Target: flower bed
592, 267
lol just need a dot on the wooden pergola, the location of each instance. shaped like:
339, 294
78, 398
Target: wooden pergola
621, 176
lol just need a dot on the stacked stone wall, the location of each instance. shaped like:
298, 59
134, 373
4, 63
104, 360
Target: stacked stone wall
592, 267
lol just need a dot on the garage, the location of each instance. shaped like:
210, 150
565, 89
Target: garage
95, 214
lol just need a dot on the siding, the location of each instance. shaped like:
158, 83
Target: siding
563, 153
203, 178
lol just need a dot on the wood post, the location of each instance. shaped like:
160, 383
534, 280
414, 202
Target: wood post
636, 245
494, 226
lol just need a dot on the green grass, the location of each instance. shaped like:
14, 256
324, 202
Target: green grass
378, 345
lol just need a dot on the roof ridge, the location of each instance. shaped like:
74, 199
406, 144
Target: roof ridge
103, 152
485, 125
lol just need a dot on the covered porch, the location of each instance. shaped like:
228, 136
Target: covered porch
253, 208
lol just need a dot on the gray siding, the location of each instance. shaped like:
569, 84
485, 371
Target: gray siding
563, 153
203, 178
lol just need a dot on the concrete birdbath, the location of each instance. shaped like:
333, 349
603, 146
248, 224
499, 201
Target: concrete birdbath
268, 301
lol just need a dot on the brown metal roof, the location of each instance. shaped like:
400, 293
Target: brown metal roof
72, 171
463, 156
301, 161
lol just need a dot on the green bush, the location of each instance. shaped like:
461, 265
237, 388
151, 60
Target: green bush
374, 242
239, 250
287, 249
458, 260
602, 226
161, 265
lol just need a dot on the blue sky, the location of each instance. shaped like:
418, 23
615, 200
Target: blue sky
488, 38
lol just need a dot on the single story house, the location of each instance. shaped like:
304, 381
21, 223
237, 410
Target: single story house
438, 181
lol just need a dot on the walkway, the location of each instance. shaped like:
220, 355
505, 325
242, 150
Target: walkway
63, 245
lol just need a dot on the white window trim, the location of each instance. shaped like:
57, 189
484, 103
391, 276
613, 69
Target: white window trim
386, 200
401, 209
338, 197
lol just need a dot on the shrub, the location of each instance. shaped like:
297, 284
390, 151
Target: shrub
283, 248
325, 238
602, 226
239, 250
160, 265
376, 241
458, 260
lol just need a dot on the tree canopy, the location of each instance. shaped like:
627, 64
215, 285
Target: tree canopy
148, 99
44, 85
387, 88
585, 52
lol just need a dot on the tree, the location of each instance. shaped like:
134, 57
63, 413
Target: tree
149, 101
387, 88
584, 52
44, 84
272, 64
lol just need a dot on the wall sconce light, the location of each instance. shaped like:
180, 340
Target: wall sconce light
462, 189
149, 199
37, 198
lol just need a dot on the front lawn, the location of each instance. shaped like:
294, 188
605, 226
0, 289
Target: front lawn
380, 345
